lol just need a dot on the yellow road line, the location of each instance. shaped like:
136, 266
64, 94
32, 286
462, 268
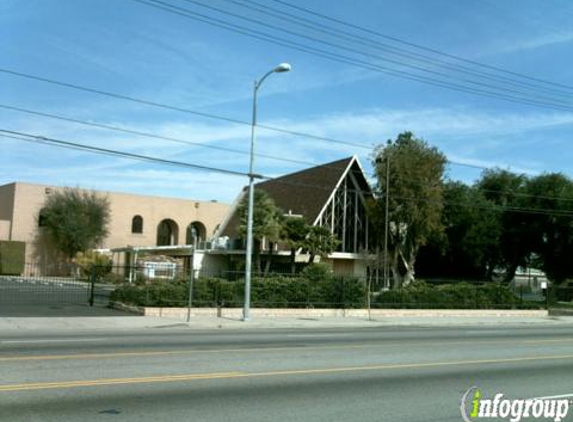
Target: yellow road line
172, 352
219, 375
266, 349
115, 381
557, 340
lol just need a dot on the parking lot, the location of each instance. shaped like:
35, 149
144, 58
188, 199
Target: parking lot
34, 297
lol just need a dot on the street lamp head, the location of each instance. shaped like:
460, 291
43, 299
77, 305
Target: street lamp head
283, 67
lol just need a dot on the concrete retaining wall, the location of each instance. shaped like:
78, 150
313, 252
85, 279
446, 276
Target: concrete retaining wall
180, 313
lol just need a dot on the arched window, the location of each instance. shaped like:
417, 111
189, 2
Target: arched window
42, 218
137, 224
195, 230
167, 233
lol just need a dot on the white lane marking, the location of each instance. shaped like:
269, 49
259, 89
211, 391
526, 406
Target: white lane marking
52, 340
318, 335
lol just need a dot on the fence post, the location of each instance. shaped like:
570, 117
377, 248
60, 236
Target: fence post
217, 296
307, 291
342, 292
368, 297
191, 279
92, 284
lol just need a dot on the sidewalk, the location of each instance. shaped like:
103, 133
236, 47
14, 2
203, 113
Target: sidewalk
13, 325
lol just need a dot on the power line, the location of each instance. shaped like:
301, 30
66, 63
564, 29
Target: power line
104, 151
180, 109
155, 136
172, 107
401, 52
145, 134
344, 59
27, 137
361, 52
526, 195
197, 144
189, 111
524, 210
421, 47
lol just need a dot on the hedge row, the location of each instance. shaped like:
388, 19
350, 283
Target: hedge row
451, 296
329, 292
279, 292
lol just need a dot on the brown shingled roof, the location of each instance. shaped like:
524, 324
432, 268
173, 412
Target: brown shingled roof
304, 192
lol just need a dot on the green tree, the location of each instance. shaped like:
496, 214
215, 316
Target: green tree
507, 191
267, 223
416, 173
472, 227
320, 241
75, 220
294, 232
552, 226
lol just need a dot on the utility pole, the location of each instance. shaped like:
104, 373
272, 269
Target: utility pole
283, 67
386, 222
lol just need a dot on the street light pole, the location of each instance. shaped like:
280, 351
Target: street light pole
283, 67
386, 222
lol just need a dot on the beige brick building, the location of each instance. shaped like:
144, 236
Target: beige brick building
136, 220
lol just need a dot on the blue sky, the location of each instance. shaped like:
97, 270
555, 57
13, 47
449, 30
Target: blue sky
132, 49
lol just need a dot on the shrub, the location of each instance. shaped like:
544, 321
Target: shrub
92, 263
311, 291
275, 292
318, 272
451, 296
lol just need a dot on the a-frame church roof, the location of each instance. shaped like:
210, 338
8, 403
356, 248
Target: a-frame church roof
304, 192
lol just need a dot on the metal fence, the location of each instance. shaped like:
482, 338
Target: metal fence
45, 284
164, 284
310, 290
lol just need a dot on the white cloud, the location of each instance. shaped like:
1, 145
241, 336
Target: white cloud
465, 135
543, 40
378, 125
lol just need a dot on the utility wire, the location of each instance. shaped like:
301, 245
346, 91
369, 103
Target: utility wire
346, 59
494, 207
180, 109
174, 108
183, 110
421, 47
27, 137
98, 150
367, 54
198, 144
400, 52
202, 145
418, 200
147, 134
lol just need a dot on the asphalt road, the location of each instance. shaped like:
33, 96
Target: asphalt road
175, 374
